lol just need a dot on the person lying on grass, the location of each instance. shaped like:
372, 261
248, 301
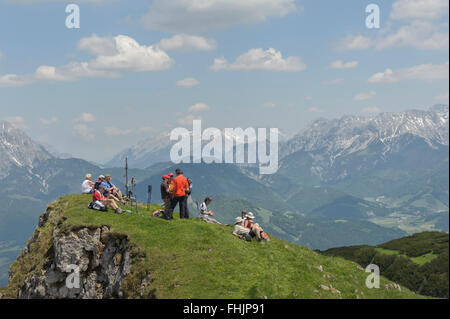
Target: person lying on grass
241, 231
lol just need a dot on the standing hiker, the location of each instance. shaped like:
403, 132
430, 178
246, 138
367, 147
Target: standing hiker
188, 193
165, 195
179, 186
170, 178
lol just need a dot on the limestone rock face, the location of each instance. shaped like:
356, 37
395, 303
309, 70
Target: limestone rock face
101, 260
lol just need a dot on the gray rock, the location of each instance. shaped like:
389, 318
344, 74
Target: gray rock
102, 259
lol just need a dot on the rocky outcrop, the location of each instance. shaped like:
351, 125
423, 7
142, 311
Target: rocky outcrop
87, 263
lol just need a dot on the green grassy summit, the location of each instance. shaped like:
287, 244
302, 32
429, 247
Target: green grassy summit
192, 259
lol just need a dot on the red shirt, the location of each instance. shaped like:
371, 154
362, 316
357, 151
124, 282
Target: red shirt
249, 223
97, 196
181, 184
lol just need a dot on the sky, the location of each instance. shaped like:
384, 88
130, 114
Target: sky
132, 71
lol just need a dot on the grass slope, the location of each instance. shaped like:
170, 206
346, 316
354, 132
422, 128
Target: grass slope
192, 259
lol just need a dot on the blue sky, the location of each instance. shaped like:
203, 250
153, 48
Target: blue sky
131, 71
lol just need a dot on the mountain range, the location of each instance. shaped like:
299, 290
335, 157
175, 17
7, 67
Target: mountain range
350, 181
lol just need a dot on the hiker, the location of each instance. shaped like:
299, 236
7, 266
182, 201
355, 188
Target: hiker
87, 187
170, 178
206, 215
111, 189
241, 231
99, 200
178, 187
165, 195
244, 217
256, 230
99, 180
188, 193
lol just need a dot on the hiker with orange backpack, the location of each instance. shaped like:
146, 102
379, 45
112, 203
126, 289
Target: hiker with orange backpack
255, 229
178, 189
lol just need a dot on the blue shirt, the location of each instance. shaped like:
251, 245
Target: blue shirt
107, 185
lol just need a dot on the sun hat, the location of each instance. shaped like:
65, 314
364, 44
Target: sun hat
238, 219
170, 174
250, 215
165, 176
101, 177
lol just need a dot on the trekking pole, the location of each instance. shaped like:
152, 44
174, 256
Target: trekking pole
133, 183
149, 196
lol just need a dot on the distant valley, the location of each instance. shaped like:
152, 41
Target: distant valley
349, 181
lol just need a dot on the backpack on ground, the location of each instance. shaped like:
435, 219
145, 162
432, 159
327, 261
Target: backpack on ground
96, 206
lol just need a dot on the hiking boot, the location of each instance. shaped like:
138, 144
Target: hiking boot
118, 211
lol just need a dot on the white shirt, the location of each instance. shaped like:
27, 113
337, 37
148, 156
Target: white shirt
203, 208
85, 187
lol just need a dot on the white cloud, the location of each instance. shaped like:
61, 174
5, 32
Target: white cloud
14, 80
199, 107
339, 64
421, 35
126, 56
258, 59
358, 42
364, 96
199, 16
269, 105
49, 121
187, 120
86, 118
98, 45
419, 28
83, 131
424, 72
188, 82
308, 98
17, 121
371, 110
185, 42
134, 57
419, 9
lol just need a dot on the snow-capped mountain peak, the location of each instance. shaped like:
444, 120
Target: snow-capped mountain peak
17, 149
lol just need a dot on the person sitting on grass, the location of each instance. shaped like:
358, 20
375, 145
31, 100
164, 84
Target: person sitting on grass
99, 200
206, 215
87, 187
241, 231
111, 189
244, 217
256, 230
